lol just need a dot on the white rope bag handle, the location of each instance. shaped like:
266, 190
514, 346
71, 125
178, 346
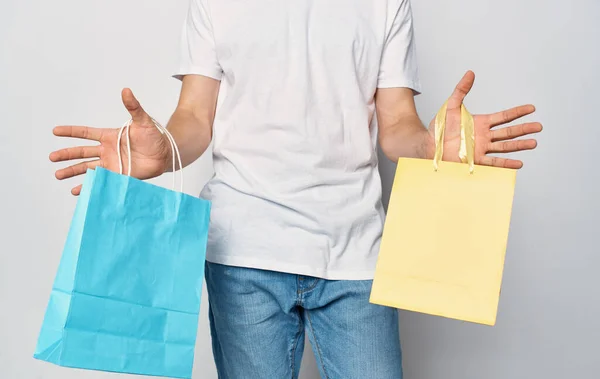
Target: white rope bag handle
162, 130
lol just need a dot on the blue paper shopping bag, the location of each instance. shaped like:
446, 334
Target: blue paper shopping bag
127, 293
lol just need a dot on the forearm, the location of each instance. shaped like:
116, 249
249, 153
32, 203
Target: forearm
407, 137
192, 134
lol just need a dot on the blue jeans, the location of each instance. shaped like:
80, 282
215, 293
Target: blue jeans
258, 320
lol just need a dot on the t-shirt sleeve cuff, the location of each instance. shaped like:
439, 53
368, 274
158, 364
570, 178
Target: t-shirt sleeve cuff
197, 70
400, 83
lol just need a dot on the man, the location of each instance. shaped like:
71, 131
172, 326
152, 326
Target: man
290, 90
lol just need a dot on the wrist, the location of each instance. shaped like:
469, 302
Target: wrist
167, 155
428, 151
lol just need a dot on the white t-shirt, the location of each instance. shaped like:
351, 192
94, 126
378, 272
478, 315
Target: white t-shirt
296, 186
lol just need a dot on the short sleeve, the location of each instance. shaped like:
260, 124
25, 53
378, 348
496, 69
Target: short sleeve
398, 66
198, 51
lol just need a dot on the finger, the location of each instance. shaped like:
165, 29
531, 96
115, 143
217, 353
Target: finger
77, 169
76, 191
133, 106
510, 115
512, 146
501, 162
462, 89
79, 152
516, 131
84, 132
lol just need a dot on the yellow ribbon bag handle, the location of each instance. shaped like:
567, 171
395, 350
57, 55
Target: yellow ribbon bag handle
467, 137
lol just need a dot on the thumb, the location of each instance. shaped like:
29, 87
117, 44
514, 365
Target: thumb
462, 89
133, 106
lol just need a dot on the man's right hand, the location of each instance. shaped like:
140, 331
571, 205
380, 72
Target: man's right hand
150, 149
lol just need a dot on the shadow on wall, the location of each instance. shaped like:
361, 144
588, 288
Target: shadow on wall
387, 170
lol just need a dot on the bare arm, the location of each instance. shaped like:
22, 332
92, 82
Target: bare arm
192, 122
401, 132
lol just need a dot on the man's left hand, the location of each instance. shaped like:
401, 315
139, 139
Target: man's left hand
489, 138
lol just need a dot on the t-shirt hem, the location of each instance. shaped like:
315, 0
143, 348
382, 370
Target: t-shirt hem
197, 70
278, 266
400, 83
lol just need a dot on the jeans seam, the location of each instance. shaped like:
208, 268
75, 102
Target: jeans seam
216, 344
294, 347
312, 287
317, 347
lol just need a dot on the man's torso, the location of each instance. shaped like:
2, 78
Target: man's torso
296, 186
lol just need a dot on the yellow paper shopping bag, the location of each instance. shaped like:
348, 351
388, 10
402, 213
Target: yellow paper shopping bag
445, 235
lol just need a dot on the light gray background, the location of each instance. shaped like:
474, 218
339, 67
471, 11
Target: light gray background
65, 62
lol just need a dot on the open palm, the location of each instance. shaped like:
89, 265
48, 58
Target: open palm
150, 149
488, 138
